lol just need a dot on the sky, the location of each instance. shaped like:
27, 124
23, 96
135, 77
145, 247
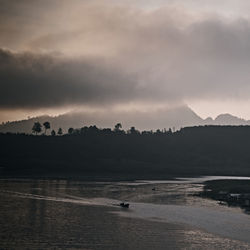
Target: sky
60, 56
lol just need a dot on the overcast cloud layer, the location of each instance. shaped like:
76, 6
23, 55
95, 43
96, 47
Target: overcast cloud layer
101, 53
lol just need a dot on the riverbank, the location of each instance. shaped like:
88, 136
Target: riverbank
229, 192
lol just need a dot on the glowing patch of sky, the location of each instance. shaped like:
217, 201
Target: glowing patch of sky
214, 108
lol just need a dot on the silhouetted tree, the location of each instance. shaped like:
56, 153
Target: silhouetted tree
93, 130
46, 126
84, 130
133, 131
60, 132
158, 131
70, 131
118, 126
53, 132
37, 128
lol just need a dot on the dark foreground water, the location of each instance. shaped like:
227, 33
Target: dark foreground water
56, 214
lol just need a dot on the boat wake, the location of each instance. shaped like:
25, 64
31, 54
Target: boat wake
67, 199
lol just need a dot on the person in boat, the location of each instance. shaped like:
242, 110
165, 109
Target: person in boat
124, 204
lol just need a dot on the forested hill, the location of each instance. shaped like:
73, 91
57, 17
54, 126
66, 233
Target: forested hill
94, 153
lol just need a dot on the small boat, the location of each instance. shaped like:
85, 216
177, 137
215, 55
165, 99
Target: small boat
222, 203
126, 205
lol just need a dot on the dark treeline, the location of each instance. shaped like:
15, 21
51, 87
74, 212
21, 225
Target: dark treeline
90, 152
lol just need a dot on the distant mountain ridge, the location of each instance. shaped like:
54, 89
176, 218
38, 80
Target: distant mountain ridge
174, 118
227, 119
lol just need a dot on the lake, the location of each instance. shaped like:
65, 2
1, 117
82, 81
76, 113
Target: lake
55, 214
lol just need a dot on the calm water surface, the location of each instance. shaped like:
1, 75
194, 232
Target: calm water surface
55, 214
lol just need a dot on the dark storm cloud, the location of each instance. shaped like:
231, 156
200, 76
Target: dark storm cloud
34, 81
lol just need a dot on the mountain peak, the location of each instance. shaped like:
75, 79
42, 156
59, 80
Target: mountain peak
228, 119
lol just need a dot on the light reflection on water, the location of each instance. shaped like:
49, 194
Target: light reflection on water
80, 215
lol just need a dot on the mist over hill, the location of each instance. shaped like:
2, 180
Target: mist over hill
174, 118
